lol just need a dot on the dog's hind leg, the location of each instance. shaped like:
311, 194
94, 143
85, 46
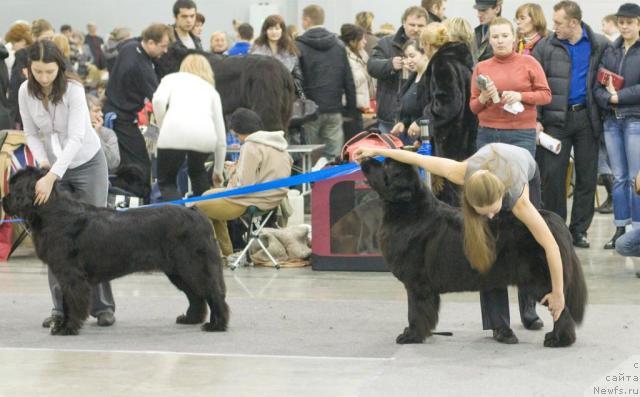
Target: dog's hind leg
219, 313
75, 301
563, 333
423, 316
197, 311
219, 308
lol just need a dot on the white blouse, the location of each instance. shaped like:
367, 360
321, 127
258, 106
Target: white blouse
62, 136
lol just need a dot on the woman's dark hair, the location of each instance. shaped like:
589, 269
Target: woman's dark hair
350, 33
285, 43
245, 121
413, 43
48, 52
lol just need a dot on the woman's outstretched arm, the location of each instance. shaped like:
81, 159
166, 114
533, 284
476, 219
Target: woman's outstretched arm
450, 169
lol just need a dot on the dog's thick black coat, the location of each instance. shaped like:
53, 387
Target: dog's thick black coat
421, 240
84, 245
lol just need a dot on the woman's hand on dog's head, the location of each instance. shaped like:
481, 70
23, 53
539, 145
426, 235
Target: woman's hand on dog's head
363, 153
44, 186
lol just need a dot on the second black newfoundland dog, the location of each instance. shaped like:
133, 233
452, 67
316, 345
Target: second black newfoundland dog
85, 245
421, 241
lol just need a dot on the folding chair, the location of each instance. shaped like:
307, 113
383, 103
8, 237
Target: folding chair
255, 219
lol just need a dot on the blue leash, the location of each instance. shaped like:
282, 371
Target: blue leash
315, 176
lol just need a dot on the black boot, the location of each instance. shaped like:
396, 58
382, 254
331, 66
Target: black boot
606, 181
612, 243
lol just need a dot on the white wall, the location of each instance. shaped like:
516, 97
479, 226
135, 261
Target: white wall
137, 14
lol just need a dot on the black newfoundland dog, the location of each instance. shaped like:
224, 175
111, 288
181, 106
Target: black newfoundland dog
421, 241
84, 245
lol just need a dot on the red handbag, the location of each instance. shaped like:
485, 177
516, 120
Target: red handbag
369, 139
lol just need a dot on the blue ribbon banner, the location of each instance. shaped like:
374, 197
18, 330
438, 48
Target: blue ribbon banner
315, 176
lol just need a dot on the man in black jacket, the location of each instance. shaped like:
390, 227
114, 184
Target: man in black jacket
327, 77
570, 59
487, 10
386, 63
131, 84
184, 12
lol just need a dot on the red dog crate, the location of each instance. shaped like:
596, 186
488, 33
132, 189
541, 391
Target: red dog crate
345, 218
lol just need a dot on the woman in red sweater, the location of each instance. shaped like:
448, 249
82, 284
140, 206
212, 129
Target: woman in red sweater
513, 80
505, 97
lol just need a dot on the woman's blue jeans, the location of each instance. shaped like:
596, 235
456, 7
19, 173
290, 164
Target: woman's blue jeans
622, 137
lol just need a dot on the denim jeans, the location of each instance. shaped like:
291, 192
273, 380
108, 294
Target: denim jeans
623, 146
525, 138
326, 130
629, 243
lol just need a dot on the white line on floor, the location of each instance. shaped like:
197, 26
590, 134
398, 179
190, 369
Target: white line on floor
159, 352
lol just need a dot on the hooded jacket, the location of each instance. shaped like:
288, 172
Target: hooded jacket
626, 65
326, 71
380, 66
263, 158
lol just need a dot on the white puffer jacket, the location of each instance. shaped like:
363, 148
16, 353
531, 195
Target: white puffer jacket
189, 112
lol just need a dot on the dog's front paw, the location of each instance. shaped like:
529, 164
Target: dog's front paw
184, 319
553, 340
409, 336
211, 327
63, 330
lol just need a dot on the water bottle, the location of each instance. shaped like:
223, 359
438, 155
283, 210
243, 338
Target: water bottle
425, 148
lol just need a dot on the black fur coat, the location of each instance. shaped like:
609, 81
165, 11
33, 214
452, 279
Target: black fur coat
448, 89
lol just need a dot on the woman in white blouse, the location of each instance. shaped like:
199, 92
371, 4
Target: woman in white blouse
189, 112
56, 122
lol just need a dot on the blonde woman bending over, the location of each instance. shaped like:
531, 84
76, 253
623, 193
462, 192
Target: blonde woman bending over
499, 177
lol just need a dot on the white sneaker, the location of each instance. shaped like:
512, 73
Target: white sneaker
322, 161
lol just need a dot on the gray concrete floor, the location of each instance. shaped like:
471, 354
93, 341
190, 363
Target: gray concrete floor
296, 332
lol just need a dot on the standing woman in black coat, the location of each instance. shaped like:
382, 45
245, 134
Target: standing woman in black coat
447, 91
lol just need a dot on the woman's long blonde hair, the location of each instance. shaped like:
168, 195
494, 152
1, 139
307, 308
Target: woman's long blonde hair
199, 65
481, 189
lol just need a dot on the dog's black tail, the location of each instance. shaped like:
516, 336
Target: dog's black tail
575, 286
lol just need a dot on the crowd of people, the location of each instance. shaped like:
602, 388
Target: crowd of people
498, 84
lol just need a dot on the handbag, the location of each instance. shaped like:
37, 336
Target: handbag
372, 138
603, 78
304, 109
